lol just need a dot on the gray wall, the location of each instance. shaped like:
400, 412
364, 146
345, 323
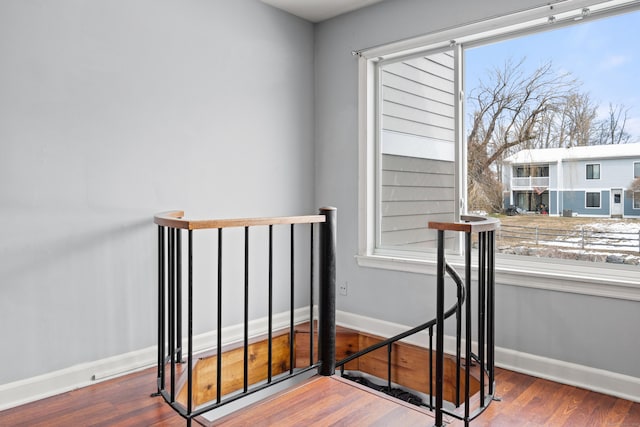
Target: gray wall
111, 111
405, 297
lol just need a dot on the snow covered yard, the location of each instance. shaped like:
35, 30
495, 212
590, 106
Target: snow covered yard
591, 239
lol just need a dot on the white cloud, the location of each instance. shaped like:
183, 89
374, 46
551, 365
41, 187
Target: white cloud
614, 61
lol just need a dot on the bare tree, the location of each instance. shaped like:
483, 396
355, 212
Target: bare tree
577, 117
612, 129
511, 109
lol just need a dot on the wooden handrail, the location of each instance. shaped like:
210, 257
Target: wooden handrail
175, 219
468, 224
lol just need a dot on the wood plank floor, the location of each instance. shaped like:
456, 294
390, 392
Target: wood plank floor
526, 402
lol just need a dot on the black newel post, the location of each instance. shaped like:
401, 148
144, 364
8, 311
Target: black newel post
327, 291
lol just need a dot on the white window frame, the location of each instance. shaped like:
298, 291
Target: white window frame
587, 278
586, 171
634, 170
586, 199
636, 197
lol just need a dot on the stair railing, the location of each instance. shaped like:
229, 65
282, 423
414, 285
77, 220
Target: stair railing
483, 230
174, 281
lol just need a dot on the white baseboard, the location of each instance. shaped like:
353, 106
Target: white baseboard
599, 380
42, 386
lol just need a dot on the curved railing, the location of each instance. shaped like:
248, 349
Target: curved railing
483, 230
176, 315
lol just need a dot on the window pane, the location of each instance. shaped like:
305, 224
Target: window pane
593, 171
636, 170
416, 149
593, 200
636, 200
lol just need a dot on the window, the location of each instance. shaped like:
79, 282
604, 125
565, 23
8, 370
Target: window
592, 199
416, 148
593, 171
636, 200
636, 169
413, 144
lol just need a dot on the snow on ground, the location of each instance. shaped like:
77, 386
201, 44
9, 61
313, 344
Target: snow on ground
604, 240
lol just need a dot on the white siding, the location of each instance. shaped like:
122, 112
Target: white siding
414, 191
417, 140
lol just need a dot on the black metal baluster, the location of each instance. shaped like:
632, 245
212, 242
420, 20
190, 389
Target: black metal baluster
389, 355
246, 310
491, 309
468, 325
440, 329
292, 305
219, 336
190, 328
431, 367
270, 331
161, 302
311, 266
481, 311
172, 312
179, 295
458, 343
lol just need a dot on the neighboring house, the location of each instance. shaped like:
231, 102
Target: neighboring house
589, 181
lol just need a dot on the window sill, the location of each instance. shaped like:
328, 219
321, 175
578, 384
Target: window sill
579, 277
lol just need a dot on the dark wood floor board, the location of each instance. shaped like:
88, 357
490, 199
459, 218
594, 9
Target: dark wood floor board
633, 416
586, 412
571, 402
526, 402
616, 415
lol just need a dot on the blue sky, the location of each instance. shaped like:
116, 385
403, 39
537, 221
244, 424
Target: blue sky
603, 54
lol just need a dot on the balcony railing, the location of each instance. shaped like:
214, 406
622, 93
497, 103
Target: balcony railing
530, 182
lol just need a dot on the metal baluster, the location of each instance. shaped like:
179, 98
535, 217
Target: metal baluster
179, 294
481, 311
172, 312
431, 367
491, 310
246, 310
270, 331
468, 326
440, 329
219, 337
190, 328
292, 307
161, 302
311, 327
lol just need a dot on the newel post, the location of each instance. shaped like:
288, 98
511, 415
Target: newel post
327, 293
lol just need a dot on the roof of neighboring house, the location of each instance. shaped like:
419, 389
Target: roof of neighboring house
550, 155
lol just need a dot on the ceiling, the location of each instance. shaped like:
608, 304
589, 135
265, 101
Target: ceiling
319, 10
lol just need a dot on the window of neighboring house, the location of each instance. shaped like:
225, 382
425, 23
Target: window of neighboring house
593, 171
542, 171
636, 169
592, 199
636, 200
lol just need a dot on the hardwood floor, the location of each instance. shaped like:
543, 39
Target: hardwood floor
526, 402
